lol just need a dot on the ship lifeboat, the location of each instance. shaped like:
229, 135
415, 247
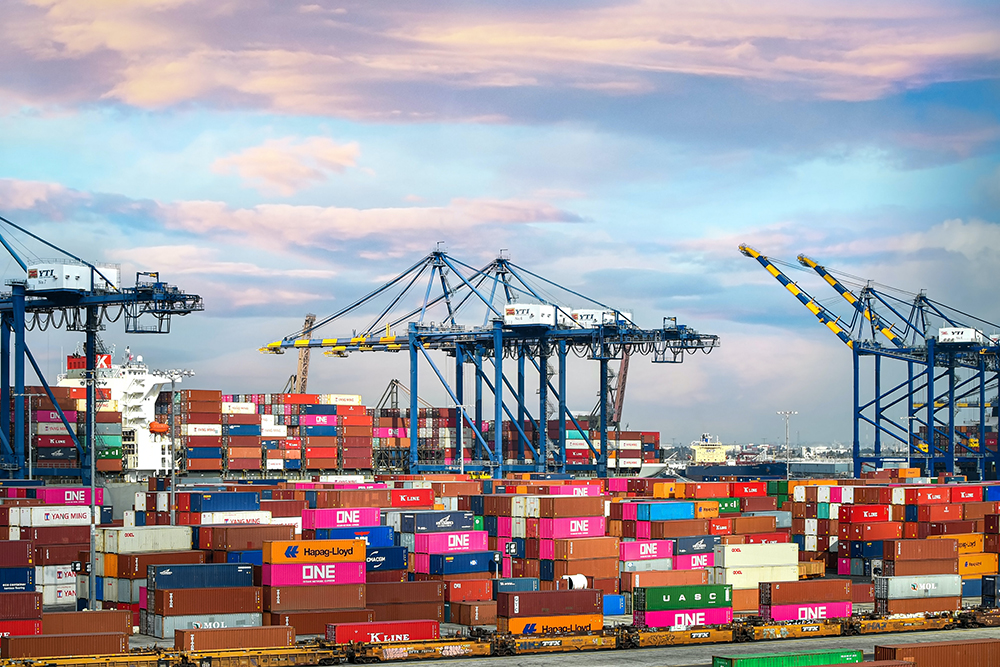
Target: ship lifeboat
160, 428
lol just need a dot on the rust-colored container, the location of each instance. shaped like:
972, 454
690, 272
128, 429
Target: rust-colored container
223, 638
598, 568
20, 606
15, 553
746, 600
758, 504
133, 566
920, 550
660, 530
468, 590
50, 646
906, 568
917, 605
354, 498
314, 598
799, 592
978, 652
59, 554
87, 622
557, 507
862, 593
409, 591
973, 511
45, 535
747, 525
586, 548
632, 580
474, 613
314, 622
244, 538
203, 601
549, 603
409, 611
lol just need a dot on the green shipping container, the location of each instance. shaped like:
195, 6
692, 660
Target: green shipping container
728, 505
109, 453
673, 598
477, 523
789, 659
772, 488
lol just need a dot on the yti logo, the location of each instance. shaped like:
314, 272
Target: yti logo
292, 552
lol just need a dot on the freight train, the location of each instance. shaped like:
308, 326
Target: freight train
481, 643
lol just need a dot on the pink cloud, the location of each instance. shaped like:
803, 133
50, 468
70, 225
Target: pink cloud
286, 166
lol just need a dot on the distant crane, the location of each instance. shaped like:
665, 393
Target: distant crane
298, 382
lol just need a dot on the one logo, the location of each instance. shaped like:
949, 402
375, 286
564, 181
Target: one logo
292, 552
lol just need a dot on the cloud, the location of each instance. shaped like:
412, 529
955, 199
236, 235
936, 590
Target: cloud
286, 166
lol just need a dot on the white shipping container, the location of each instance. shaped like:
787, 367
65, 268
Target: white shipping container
251, 516
812, 528
519, 527
239, 408
899, 496
746, 578
146, 538
449, 504
340, 399
164, 626
799, 494
129, 590
162, 501
51, 515
58, 595
274, 464
55, 575
344, 479
928, 586
960, 335
630, 463
201, 429
267, 420
537, 314
846, 495
275, 431
111, 589
289, 521
518, 506
140, 501
407, 540
755, 555
579, 444
54, 428
651, 565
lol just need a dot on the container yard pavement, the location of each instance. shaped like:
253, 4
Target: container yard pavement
697, 656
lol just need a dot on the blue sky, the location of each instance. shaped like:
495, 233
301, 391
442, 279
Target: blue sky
281, 157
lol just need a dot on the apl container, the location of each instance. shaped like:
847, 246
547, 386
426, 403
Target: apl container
805, 612
646, 549
208, 575
296, 574
340, 518
686, 618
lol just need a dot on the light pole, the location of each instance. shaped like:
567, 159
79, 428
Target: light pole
787, 414
174, 375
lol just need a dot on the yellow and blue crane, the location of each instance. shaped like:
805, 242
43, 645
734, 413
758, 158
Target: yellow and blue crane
939, 346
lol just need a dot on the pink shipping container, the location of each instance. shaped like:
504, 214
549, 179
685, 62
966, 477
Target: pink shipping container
354, 517
684, 618
618, 484
317, 420
301, 574
352, 486
630, 511
643, 530
547, 549
805, 612
844, 566
694, 561
53, 416
646, 549
576, 490
67, 495
557, 529
505, 526
143, 596
450, 543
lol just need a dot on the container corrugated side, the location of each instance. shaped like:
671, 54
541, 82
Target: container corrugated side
20, 606
796, 592
146, 538
314, 598
188, 601
663, 598
756, 555
407, 591
978, 652
545, 625
907, 588
208, 575
315, 622
549, 603
91, 644
87, 622
223, 638
165, 626
398, 631
837, 657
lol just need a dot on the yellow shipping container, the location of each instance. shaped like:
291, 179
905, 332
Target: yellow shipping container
972, 566
664, 489
706, 509
971, 543
679, 489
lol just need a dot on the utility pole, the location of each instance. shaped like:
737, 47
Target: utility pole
174, 375
787, 414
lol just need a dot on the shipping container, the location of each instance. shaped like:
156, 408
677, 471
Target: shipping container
136, 566
683, 618
314, 598
790, 659
698, 544
548, 625
435, 522
905, 588
587, 548
411, 591
549, 603
87, 622
918, 605
979, 652
379, 633
224, 638
668, 598
306, 574
797, 592
411, 611
471, 590
315, 622
755, 555
214, 575
90, 644
188, 601
314, 551
808, 611
478, 612
751, 577
464, 563
20, 606
936, 549
164, 627
143, 539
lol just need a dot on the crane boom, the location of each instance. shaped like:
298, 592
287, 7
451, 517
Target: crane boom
821, 313
616, 411
302, 374
877, 322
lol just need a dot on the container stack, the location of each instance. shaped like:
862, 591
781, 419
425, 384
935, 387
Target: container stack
49, 528
198, 416
308, 584
182, 597
550, 612
356, 434
681, 607
745, 566
241, 436
407, 601
409, 524
239, 543
470, 602
918, 594
20, 613
814, 600
390, 439
919, 557
317, 426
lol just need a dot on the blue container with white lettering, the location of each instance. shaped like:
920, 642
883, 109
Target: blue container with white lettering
518, 585
374, 536
479, 561
242, 429
319, 431
317, 409
665, 511
614, 605
433, 521
253, 557
386, 558
227, 501
201, 575
698, 544
17, 579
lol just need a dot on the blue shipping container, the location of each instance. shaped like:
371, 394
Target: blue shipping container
374, 536
490, 525
435, 522
242, 429
546, 570
519, 585
319, 431
208, 575
972, 588
698, 544
17, 579
293, 464
107, 515
614, 605
227, 501
990, 584
386, 558
317, 409
253, 557
665, 511
140, 520
204, 453
910, 513
99, 585
480, 561
866, 549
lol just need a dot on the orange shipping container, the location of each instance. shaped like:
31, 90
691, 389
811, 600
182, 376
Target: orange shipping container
315, 551
706, 509
971, 543
973, 566
542, 625
586, 548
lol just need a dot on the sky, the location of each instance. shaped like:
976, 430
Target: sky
280, 157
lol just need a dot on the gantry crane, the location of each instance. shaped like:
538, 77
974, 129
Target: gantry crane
297, 383
517, 323
77, 295
968, 363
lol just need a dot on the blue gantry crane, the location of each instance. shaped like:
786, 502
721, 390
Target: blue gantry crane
516, 322
73, 294
940, 361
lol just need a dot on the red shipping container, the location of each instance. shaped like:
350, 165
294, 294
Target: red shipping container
380, 633
720, 526
866, 532
15, 553
703, 490
471, 590
937, 513
928, 496
20, 606
947, 528
992, 524
967, 494
411, 497
767, 538
863, 513
20, 628
747, 489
